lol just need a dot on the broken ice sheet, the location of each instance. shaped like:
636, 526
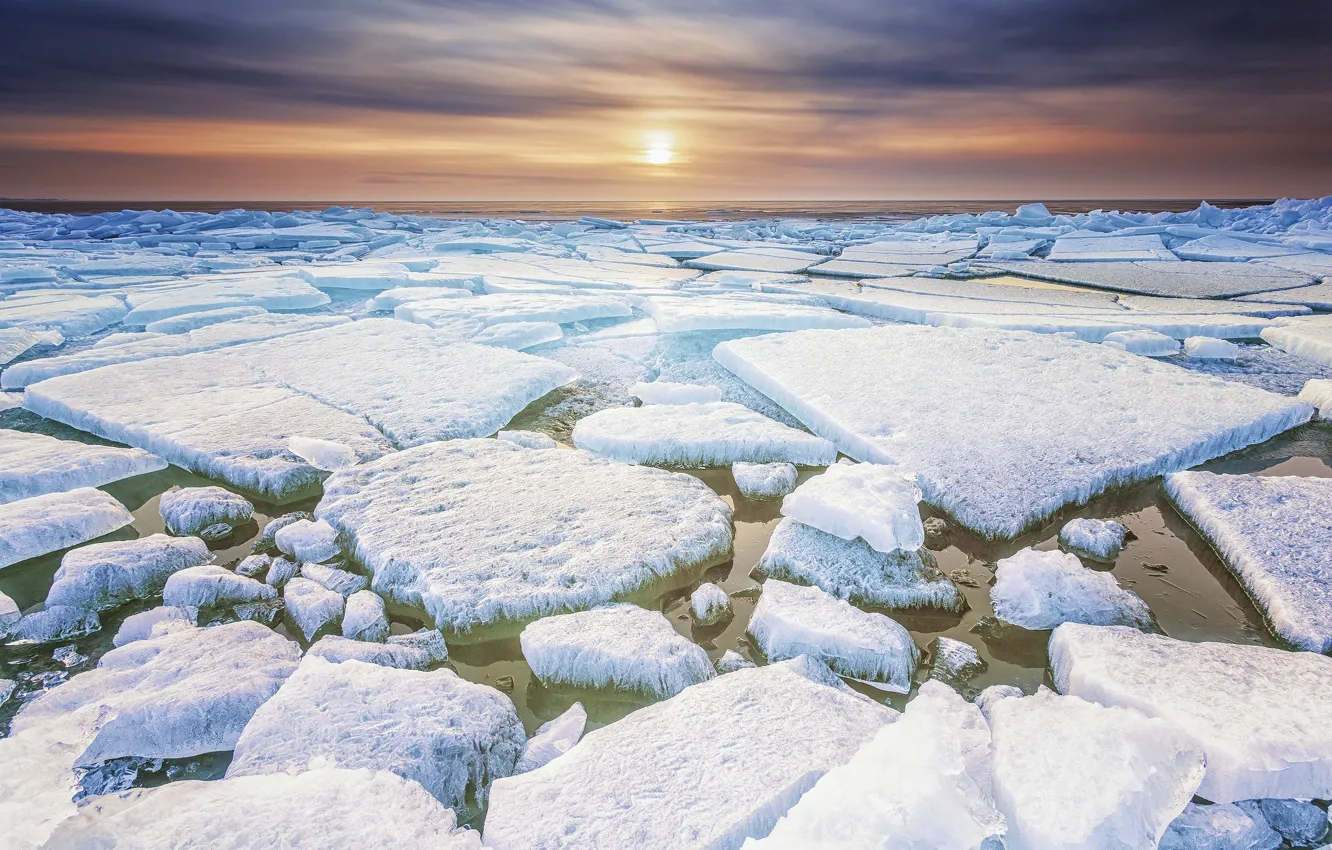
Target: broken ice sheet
35, 464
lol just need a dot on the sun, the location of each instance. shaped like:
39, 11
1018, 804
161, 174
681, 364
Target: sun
660, 149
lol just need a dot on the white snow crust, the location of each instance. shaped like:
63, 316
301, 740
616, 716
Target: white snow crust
874, 502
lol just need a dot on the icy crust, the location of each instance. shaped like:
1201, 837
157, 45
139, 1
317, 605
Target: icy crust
455, 528
1097, 539
791, 620
325, 455
155, 622
35, 464
668, 392
1310, 338
1318, 392
697, 435
553, 739
716, 312
720, 754
206, 294
851, 570
107, 575
991, 445
1040, 590
1275, 534
513, 307
923, 781
308, 542
1070, 773
618, 646
873, 502
1261, 715
55, 521
1219, 827
452, 736
309, 811
764, 480
189, 510
1145, 343
70, 314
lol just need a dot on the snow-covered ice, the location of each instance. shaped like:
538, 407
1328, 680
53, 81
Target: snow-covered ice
364, 618
211, 586
1040, 590
1310, 338
155, 622
624, 647
764, 480
1097, 539
55, 623
1145, 343
322, 454
1185, 278
55, 521
1318, 392
500, 308
9, 613
670, 392
1084, 248
308, 542
720, 312
107, 575
1210, 348
709, 604
330, 577
187, 322
35, 464
553, 739
16, 341
69, 313
877, 503
519, 335
1222, 248
189, 510
311, 606
1219, 827
731, 661
527, 439
955, 664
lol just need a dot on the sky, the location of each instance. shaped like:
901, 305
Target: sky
669, 101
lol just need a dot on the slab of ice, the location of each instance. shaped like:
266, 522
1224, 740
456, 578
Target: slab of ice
1145, 343
1258, 713
363, 275
877, 503
308, 542
1081, 248
281, 571
527, 439
266, 291
553, 739
55, 521
455, 528
15, 341
1186, 278
756, 259
998, 460
624, 647
514, 307
731, 773
338, 649
1071, 773
764, 480
1209, 348
72, 315
1310, 338
1221, 248
1219, 827
364, 618
851, 570
155, 622
923, 781
9, 613
669, 392
55, 623
130, 265
325, 455
1301, 823
392, 298
452, 736
1275, 534
717, 312
107, 575
316, 809
212, 586
311, 606
519, 335
189, 510
332, 578
1097, 539
1317, 297
791, 620
186, 322
709, 604
697, 435
1040, 590
731, 661
35, 464
1319, 394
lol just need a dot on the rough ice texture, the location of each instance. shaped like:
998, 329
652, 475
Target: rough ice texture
211, 587
709, 603
1098, 539
716, 312
311, 606
994, 446
281, 571
527, 439
364, 618
1040, 590
670, 392
458, 529
697, 435
1309, 338
35, 464
15, 341
322, 454
519, 335
791, 620
9, 612
1181, 279
1210, 348
107, 575
1260, 714
187, 322
708, 768
453, 736
309, 811
851, 570
877, 503
514, 307
1219, 827
955, 663
338, 649
617, 646
43, 524
308, 542
189, 510
267, 291
1145, 343
1070, 773
142, 626
763, 480
553, 739
923, 781
731, 661
1300, 822
1318, 392
1275, 534
54, 623
70, 314
332, 578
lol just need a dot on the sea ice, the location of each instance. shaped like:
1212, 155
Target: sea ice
553, 739
1319, 394
9, 613
337, 649
55, 521
1040, 590
155, 622
311, 606
790, 620
207, 294
709, 604
624, 647
717, 433
211, 586
307, 542
364, 618
527, 439
1275, 534
669, 392
189, 510
15, 341
707, 768
873, 502
514, 307
1310, 338
35, 464
1301, 823
55, 623
1083, 248
990, 444
1260, 714
1222, 248
518, 335
719, 312
1097, 539
759, 481
107, 575
1210, 348
1071, 773
1224, 826
390, 299
452, 736
332, 578
458, 529
281, 571
187, 322
1185, 278
70, 314
955, 664
325, 455
1145, 343
761, 259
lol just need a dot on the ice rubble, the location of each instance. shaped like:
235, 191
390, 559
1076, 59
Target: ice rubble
719, 312
716, 433
1310, 338
874, 502
1275, 534
308, 542
989, 444
1319, 394
451, 527
527, 439
308, 811
1040, 590
1097, 539
923, 781
363, 617
669, 392
107, 575
1210, 348
763, 480
312, 607
719, 754
212, 586
452, 736
186, 322
617, 646
1145, 343
488, 310
332, 578
790, 620
55, 521
1259, 714
324, 455
709, 604
1219, 827
35, 464
155, 622
552, 739
852, 570
1071, 773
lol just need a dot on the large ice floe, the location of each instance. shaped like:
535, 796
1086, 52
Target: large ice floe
708, 768
452, 736
717, 433
489, 310
1004, 428
1275, 535
1260, 715
35, 464
55, 521
1040, 590
106, 575
458, 529
711, 313
617, 646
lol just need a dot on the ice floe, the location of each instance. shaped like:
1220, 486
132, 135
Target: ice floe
155, 622
711, 313
307, 542
1145, 343
1319, 394
1040, 590
874, 502
186, 322
1219, 827
527, 439
211, 586
1310, 338
553, 739
487, 310
709, 604
763, 480
35, 464
1097, 539
70, 314
55, 521
1209, 348
363, 617
312, 607
669, 392
107, 575
1185, 278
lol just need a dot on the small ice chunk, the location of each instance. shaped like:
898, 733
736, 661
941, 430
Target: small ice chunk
955, 664
312, 607
790, 620
616, 646
142, 626
426, 640
873, 501
668, 392
1040, 590
267, 538
323, 454
731, 661
527, 439
68, 656
337, 649
35, 464
709, 604
553, 739
1210, 348
254, 566
107, 575
1145, 343
1224, 826
364, 618
1097, 539
43, 524
341, 581
987, 698
7, 687
56, 622
759, 481
1299, 822
1071, 773
212, 586
308, 542
281, 571
189, 510
1318, 392
9, 612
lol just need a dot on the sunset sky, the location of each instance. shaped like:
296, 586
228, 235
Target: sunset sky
631, 100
